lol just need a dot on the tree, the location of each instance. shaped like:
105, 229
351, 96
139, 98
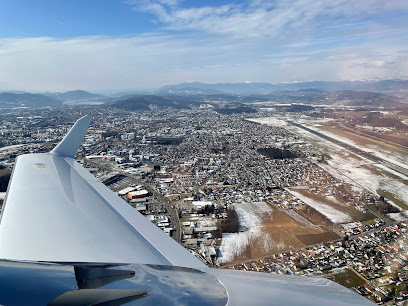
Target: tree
4, 180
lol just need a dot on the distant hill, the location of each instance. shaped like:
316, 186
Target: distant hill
26, 99
387, 86
221, 88
363, 98
75, 95
305, 97
262, 88
342, 97
235, 110
145, 102
188, 91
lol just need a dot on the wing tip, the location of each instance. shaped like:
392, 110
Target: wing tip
70, 144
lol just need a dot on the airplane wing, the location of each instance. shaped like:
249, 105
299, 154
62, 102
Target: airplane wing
80, 243
57, 211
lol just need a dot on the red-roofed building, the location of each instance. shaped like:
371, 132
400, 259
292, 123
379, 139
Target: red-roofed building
368, 287
404, 257
363, 267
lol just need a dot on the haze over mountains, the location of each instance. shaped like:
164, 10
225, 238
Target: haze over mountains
26, 99
74, 95
352, 93
249, 88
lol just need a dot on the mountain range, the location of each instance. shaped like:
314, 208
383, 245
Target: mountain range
74, 95
146, 102
26, 99
261, 88
18, 98
185, 95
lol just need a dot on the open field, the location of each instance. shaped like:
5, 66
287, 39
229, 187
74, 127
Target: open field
309, 239
393, 157
391, 197
346, 277
335, 203
360, 173
363, 174
277, 232
363, 140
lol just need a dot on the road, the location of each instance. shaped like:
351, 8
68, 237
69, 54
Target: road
175, 221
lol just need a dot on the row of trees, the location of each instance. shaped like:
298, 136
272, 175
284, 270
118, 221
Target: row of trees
169, 140
229, 224
276, 153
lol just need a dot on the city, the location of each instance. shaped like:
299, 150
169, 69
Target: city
211, 181
179, 152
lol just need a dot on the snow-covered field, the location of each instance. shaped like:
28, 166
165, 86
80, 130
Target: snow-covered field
346, 167
392, 157
401, 216
11, 147
351, 225
250, 218
333, 214
272, 121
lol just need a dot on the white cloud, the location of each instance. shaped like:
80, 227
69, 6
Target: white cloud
153, 60
263, 18
272, 41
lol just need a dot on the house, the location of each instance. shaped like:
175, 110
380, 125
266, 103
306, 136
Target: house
363, 267
404, 294
380, 297
138, 194
368, 287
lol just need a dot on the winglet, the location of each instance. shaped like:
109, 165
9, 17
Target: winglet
71, 142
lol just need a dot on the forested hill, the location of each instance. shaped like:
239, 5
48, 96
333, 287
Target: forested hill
26, 99
146, 102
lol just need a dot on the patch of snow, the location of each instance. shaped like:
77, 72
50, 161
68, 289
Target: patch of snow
351, 225
272, 121
392, 157
350, 169
336, 271
398, 216
11, 147
250, 219
207, 222
333, 199
333, 214
393, 172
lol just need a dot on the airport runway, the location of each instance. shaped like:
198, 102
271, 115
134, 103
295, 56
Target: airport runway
354, 149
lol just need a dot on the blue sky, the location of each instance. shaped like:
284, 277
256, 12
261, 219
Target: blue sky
112, 44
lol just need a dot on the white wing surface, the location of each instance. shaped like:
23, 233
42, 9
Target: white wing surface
56, 211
